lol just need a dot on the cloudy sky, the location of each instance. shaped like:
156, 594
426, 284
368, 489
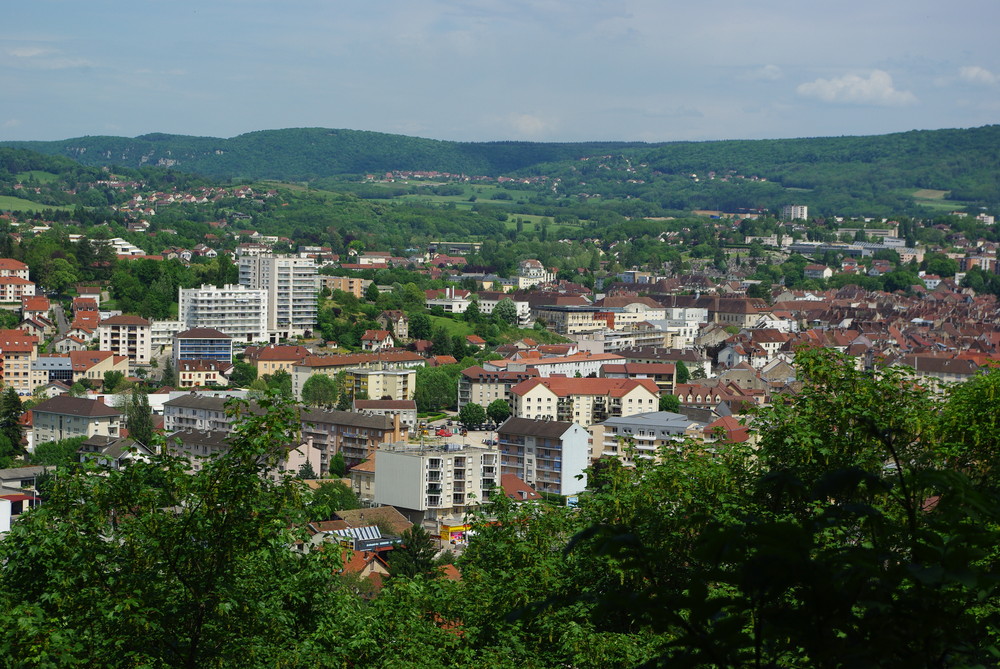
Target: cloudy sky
546, 70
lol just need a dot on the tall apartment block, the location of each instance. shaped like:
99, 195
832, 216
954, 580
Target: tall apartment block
236, 311
291, 286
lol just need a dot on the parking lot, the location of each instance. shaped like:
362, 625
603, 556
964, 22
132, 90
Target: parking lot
473, 438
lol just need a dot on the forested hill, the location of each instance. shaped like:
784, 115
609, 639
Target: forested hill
966, 161
302, 154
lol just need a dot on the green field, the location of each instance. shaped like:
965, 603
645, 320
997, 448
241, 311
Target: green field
934, 199
8, 203
38, 175
451, 326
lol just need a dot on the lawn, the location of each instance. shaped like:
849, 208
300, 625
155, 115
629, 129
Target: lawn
451, 326
8, 203
38, 175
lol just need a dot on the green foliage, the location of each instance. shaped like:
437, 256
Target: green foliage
328, 499
498, 411
56, 453
320, 390
139, 417
436, 387
670, 403
156, 566
471, 415
681, 373
338, 466
243, 374
10, 428
416, 554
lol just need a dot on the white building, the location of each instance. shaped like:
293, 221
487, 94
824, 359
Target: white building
130, 336
437, 483
161, 334
291, 285
237, 311
548, 455
642, 435
791, 212
532, 272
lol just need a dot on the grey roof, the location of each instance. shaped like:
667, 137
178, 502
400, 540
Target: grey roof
76, 406
652, 420
213, 439
334, 417
206, 403
535, 428
18, 473
50, 363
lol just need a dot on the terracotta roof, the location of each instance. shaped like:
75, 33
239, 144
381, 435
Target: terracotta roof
516, 489
564, 386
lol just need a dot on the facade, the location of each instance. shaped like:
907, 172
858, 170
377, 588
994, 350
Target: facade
238, 311
348, 284
583, 401
662, 373
202, 344
548, 455
64, 417
130, 336
11, 267
647, 433
199, 413
161, 335
291, 286
582, 364
532, 273
358, 367
438, 485
17, 351
483, 387
274, 358
396, 322
405, 409
14, 289
202, 373
356, 436
791, 212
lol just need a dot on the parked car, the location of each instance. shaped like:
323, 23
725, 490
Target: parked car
444, 432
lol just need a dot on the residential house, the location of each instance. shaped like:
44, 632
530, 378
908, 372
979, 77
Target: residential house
356, 436
202, 344
377, 340
64, 417
202, 373
405, 409
642, 435
483, 387
584, 401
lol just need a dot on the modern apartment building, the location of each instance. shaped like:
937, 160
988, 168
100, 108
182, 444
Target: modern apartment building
368, 372
238, 311
548, 455
291, 285
356, 436
642, 435
483, 387
435, 485
130, 336
202, 344
17, 351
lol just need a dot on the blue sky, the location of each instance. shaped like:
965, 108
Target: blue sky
479, 70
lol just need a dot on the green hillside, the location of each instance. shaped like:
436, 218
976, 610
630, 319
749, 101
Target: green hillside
964, 161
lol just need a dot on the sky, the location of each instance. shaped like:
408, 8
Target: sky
485, 70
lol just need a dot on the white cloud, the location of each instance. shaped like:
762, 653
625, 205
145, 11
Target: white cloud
766, 73
527, 125
877, 89
978, 75
27, 52
12, 123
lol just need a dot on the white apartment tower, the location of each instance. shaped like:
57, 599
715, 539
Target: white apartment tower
793, 212
290, 284
237, 311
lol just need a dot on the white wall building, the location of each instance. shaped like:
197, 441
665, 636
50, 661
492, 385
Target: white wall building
291, 285
237, 311
126, 335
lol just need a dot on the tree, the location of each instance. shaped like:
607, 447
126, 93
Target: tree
338, 466
681, 373
10, 426
670, 402
505, 312
243, 374
306, 471
329, 498
61, 453
471, 415
472, 314
319, 390
112, 380
420, 326
280, 382
416, 554
169, 377
160, 566
442, 342
498, 411
372, 293
139, 417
